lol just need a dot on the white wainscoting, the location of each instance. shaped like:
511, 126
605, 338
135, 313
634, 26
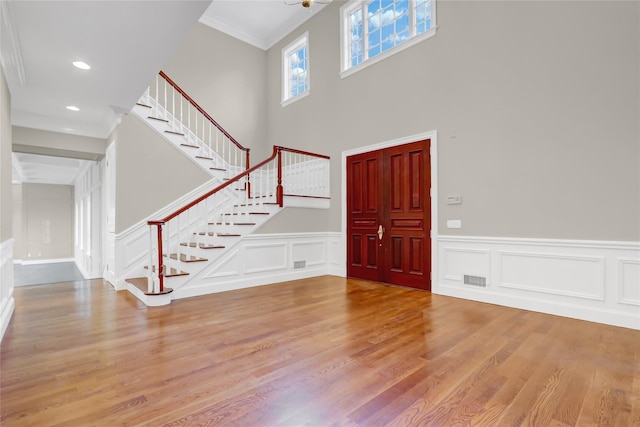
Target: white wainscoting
263, 259
7, 303
590, 280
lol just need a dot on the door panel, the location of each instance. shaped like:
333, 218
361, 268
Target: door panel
363, 210
390, 188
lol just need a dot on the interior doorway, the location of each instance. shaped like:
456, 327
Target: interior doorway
388, 209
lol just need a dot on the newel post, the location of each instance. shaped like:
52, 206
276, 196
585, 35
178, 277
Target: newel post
279, 189
160, 265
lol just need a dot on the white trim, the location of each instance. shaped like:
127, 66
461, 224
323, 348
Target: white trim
622, 296
599, 244
582, 279
297, 44
11, 57
345, 60
264, 43
433, 137
233, 31
7, 302
44, 261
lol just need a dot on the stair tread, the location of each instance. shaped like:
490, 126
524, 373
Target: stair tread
141, 283
204, 157
143, 105
187, 258
248, 213
202, 246
173, 272
218, 169
232, 223
160, 119
211, 233
174, 132
189, 145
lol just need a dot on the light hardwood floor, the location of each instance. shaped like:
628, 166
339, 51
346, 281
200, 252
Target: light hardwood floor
326, 351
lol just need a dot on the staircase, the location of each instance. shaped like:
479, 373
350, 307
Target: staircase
187, 245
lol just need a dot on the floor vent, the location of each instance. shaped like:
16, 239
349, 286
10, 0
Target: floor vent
475, 281
299, 264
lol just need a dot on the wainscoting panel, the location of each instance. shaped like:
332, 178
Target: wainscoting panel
589, 280
7, 303
629, 279
262, 259
459, 262
575, 276
265, 257
311, 253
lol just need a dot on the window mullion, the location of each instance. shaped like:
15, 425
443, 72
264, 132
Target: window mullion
365, 33
412, 18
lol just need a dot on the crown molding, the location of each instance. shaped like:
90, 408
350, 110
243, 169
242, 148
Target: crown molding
233, 32
10, 54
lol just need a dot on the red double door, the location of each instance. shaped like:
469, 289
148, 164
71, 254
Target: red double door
389, 215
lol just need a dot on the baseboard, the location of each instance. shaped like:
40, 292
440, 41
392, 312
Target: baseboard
46, 261
589, 280
231, 285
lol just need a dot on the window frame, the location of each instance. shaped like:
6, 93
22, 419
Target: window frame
298, 43
346, 69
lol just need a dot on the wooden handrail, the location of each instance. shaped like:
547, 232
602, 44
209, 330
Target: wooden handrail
201, 110
215, 190
306, 153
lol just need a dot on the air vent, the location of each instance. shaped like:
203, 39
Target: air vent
475, 281
299, 264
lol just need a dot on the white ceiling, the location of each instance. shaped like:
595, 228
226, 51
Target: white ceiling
125, 42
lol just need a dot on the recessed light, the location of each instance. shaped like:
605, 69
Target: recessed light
82, 65
72, 108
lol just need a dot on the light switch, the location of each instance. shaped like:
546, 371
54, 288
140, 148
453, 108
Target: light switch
454, 200
454, 223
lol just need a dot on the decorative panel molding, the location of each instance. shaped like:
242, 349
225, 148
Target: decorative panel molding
588, 280
262, 259
629, 281
265, 257
575, 276
460, 261
136, 248
314, 253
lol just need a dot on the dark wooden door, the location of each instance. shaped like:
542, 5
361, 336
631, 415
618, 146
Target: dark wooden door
388, 215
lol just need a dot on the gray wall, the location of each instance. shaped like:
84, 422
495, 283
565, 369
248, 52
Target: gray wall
150, 173
48, 143
5, 160
535, 104
44, 229
227, 78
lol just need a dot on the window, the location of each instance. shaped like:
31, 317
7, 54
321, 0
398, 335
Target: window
295, 70
375, 29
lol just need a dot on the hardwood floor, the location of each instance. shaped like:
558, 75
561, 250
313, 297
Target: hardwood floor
326, 351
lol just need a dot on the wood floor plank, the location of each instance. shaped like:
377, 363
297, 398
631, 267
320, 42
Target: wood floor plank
325, 351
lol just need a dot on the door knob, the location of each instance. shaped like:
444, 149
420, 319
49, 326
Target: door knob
380, 232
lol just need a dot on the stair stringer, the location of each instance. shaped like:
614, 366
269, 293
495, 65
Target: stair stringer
218, 168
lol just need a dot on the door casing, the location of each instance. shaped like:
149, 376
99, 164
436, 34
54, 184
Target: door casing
433, 136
